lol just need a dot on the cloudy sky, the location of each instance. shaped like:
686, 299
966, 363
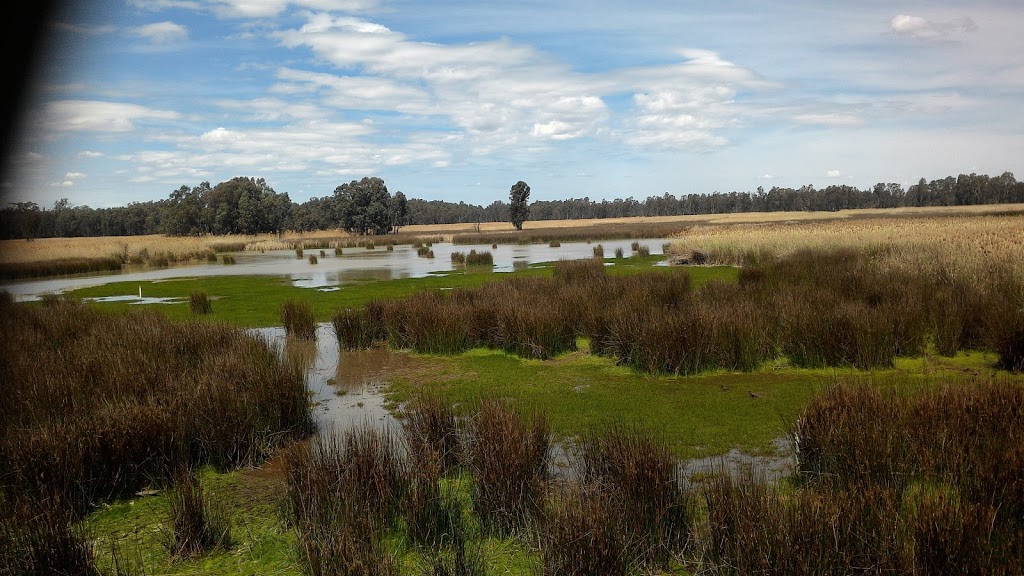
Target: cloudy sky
459, 99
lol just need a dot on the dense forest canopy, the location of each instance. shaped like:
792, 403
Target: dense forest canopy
249, 205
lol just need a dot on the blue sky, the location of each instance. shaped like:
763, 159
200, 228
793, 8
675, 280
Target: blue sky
458, 100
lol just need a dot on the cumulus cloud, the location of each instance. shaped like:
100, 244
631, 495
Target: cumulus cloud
90, 154
161, 32
74, 176
499, 93
833, 174
98, 116
924, 29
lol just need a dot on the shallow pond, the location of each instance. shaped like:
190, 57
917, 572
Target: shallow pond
355, 264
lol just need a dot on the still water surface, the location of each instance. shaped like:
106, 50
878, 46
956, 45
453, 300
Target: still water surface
355, 264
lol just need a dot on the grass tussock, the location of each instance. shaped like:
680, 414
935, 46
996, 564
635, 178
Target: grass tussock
197, 524
228, 259
42, 537
344, 491
98, 406
200, 303
507, 455
313, 259
298, 319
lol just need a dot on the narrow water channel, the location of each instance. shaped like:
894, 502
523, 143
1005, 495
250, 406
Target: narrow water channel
346, 388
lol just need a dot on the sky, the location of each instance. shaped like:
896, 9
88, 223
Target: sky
460, 99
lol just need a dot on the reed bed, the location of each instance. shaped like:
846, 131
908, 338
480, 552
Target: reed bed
58, 267
814, 308
958, 244
98, 406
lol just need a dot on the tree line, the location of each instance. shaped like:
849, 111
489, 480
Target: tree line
245, 205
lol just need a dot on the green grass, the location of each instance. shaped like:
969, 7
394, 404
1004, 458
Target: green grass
261, 543
255, 301
700, 415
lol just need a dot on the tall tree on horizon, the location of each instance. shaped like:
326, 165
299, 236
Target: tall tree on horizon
519, 209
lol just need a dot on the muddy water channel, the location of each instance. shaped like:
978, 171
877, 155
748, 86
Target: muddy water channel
332, 272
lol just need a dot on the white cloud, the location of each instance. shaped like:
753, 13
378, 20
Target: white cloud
924, 29
98, 116
90, 154
832, 119
501, 94
74, 175
833, 174
161, 32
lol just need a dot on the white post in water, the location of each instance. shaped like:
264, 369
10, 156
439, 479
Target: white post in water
140, 291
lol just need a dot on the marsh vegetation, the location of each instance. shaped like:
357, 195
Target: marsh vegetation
891, 365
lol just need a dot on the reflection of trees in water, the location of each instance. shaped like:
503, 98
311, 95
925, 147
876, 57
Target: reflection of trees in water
301, 353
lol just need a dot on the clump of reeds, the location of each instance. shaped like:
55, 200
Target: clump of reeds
619, 252
507, 455
88, 418
343, 492
580, 535
211, 256
200, 302
475, 258
599, 252
313, 259
432, 431
554, 244
643, 251
458, 258
298, 251
228, 259
338, 251
197, 524
639, 479
354, 329
299, 319
424, 252
635, 246
323, 253
390, 247
370, 246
